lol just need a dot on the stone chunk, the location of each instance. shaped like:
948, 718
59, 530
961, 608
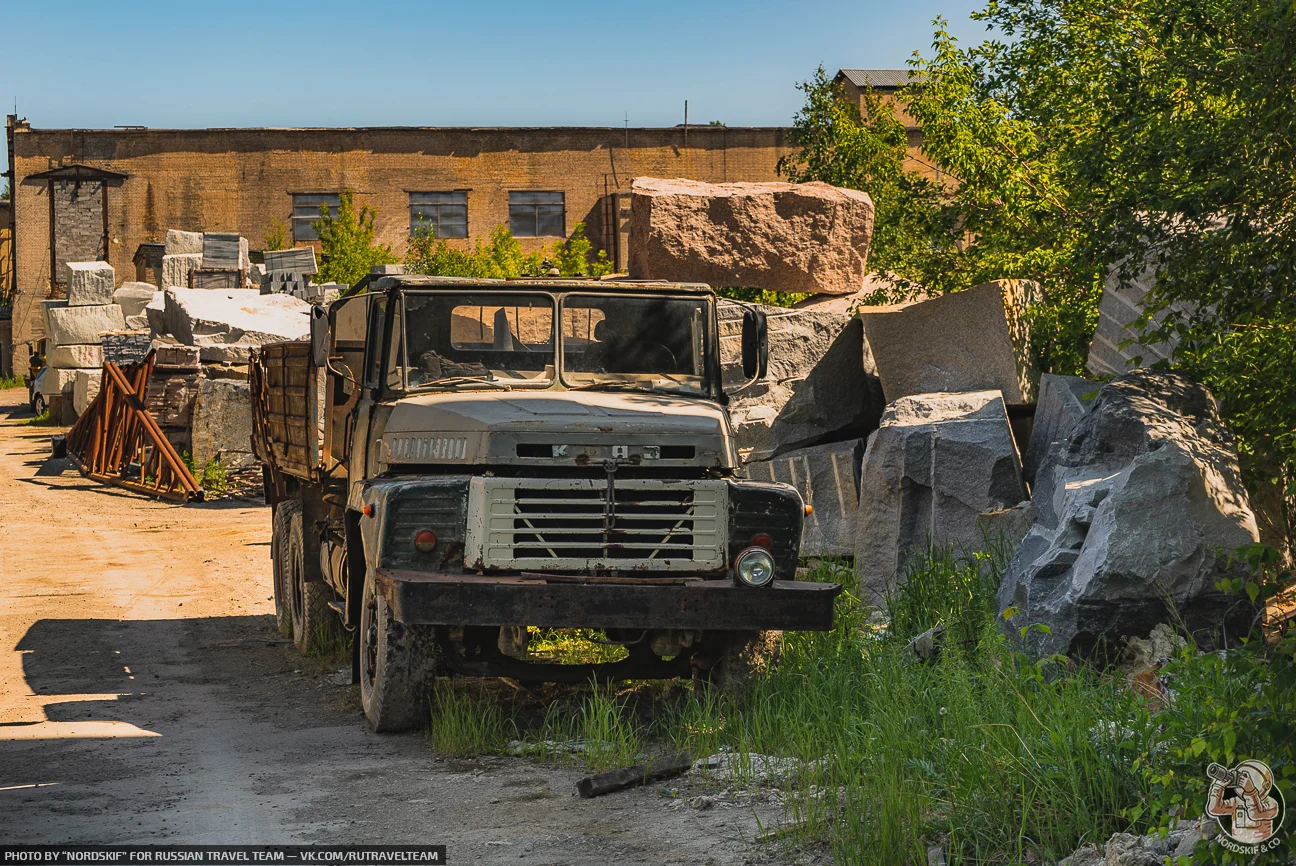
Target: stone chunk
182, 243
176, 269
1062, 403
818, 388
89, 283
133, 297
234, 317
85, 387
222, 424
964, 341
126, 347
1137, 511
937, 462
178, 357
80, 325
788, 237
825, 477
89, 355
300, 260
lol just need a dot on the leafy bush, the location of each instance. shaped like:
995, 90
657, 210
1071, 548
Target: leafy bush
347, 242
502, 258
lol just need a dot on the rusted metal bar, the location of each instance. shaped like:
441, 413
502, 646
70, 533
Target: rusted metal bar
117, 430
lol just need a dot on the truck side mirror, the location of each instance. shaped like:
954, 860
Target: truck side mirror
755, 345
319, 336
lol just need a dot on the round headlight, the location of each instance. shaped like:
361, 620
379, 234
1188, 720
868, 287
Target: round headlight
754, 567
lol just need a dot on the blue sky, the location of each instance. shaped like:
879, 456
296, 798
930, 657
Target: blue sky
468, 63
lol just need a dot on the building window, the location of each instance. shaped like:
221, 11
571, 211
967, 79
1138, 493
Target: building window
443, 213
537, 214
306, 210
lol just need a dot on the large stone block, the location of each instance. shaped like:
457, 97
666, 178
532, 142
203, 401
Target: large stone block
234, 317
825, 477
808, 237
89, 355
222, 423
818, 388
81, 325
180, 243
937, 462
1118, 345
46, 306
1062, 403
58, 381
133, 297
1134, 518
224, 250
85, 387
972, 340
155, 314
176, 269
89, 283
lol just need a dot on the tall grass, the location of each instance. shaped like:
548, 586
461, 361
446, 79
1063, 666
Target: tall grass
465, 725
998, 759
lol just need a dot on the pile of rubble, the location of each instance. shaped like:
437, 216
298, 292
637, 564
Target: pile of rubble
213, 307
927, 423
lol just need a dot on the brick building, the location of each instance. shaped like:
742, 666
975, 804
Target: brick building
100, 194
887, 83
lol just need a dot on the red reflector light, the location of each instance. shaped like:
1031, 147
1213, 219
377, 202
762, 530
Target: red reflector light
763, 540
425, 540
368, 511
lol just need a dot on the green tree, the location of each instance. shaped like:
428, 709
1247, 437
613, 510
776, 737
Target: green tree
347, 242
276, 237
572, 256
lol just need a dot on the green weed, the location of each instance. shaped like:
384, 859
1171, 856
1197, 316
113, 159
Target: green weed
465, 725
8, 383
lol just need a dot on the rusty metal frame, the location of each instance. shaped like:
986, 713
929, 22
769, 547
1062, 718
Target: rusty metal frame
117, 433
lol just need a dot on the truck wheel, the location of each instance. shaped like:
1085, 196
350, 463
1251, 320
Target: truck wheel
731, 660
278, 545
397, 665
315, 627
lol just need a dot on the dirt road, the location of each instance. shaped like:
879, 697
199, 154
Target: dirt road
145, 697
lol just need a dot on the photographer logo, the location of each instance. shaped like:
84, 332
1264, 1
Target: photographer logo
1247, 805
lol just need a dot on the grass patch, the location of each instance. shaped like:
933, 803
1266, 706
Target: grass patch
41, 420
214, 479
8, 383
997, 758
571, 646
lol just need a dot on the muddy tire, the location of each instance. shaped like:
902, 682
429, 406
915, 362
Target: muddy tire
315, 627
729, 661
398, 666
282, 587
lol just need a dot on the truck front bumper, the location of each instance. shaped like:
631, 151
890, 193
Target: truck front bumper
558, 601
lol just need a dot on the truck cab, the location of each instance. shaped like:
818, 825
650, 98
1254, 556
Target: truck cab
454, 464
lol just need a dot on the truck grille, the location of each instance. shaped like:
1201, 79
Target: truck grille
570, 523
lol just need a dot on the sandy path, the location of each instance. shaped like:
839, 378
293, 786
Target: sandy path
145, 697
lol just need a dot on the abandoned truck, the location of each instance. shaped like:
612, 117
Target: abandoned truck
454, 464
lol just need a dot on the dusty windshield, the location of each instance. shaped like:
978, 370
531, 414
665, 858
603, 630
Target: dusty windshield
472, 341
642, 343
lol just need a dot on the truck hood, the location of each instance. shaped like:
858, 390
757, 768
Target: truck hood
523, 427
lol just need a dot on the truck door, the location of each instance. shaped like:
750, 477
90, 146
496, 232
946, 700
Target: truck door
376, 334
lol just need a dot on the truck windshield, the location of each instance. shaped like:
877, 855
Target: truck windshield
466, 340
635, 343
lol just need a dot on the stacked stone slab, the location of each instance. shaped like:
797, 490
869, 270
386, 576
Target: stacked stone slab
73, 333
788, 237
177, 268
289, 272
933, 467
1134, 519
172, 389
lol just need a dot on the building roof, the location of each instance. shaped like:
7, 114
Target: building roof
876, 77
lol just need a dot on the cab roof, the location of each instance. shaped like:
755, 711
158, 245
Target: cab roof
553, 284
